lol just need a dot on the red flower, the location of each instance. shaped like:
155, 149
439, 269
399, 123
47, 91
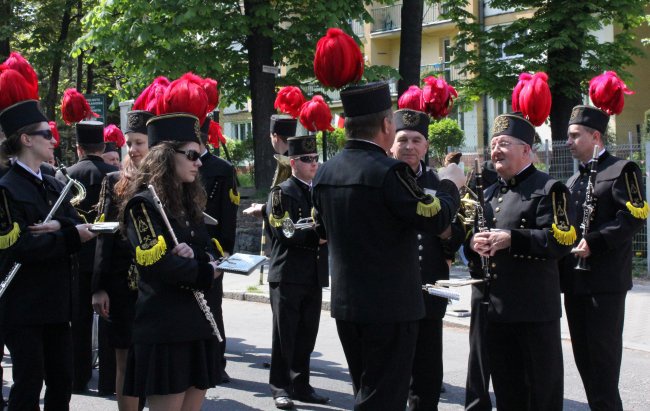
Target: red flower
186, 95
607, 91
18, 63
411, 98
151, 97
316, 115
55, 133
112, 133
532, 97
75, 107
289, 100
437, 97
338, 59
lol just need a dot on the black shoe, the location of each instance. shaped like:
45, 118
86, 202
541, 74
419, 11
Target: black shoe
442, 388
225, 378
80, 389
283, 403
312, 398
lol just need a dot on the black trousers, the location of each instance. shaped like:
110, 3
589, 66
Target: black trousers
477, 385
296, 317
526, 365
106, 378
40, 352
217, 312
380, 358
426, 377
82, 333
596, 326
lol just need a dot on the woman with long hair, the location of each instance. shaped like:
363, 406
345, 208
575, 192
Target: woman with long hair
38, 305
115, 283
173, 357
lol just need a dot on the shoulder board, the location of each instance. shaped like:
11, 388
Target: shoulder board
151, 245
9, 229
427, 206
563, 232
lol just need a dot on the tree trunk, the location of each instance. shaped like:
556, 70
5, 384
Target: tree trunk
262, 86
5, 42
53, 91
410, 45
90, 78
79, 76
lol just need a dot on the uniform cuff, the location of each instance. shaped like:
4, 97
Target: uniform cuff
596, 242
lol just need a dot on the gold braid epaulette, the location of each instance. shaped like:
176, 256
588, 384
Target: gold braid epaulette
151, 255
9, 239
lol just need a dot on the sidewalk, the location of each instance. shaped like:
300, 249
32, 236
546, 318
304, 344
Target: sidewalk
636, 334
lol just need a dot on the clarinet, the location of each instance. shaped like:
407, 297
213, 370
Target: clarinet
198, 295
481, 223
588, 207
14, 269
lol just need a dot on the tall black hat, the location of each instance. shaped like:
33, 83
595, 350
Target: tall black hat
407, 119
366, 99
111, 146
284, 126
136, 121
513, 124
591, 117
302, 145
19, 115
178, 127
90, 132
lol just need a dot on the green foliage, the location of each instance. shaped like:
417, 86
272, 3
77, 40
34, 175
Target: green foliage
241, 151
442, 134
335, 141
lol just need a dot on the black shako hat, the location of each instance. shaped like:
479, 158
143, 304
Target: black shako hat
366, 99
302, 145
284, 126
19, 115
136, 121
407, 119
178, 127
591, 117
513, 124
111, 146
205, 130
90, 132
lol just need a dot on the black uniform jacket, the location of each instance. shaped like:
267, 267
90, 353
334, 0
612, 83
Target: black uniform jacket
618, 191
114, 270
369, 207
299, 259
43, 289
434, 252
166, 310
90, 172
537, 211
218, 178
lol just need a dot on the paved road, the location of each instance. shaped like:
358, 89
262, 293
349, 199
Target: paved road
248, 326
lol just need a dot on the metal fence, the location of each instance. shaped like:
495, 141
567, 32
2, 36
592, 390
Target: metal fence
556, 160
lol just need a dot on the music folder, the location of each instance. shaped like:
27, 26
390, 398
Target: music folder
104, 228
240, 263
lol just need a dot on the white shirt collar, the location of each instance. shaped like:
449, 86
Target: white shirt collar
26, 167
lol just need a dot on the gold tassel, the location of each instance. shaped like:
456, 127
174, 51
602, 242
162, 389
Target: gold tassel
428, 210
153, 254
638, 212
565, 237
277, 222
10, 238
218, 245
100, 219
234, 198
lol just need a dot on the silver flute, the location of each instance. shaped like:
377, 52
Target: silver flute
198, 295
14, 269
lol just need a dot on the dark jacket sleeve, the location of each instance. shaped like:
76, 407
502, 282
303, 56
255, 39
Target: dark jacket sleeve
288, 208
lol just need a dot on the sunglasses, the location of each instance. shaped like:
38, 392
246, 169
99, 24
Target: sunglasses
308, 159
46, 134
191, 155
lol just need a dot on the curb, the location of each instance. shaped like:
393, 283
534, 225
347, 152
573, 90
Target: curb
260, 298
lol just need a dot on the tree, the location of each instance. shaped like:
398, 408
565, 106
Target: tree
229, 41
444, 133
410, 47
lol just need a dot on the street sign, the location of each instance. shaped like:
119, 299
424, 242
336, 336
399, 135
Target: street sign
271, 70
97, 104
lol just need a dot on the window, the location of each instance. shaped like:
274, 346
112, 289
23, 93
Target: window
242, 131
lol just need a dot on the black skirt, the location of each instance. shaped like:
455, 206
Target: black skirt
122, 314
161, 369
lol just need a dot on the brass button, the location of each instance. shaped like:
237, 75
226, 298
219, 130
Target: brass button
187, 223
494, 276
420, 258
530, 256
522, 226
50, 202
493, 265
523, 220
500, 199
514, 255
497, 209
419, 236
192, 233
420, 248
494, 219
504, 189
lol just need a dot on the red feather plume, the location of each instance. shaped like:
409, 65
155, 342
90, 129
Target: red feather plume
55, 133
338, 59
411, 98
316, 115
215, 136
437, 97
151, 97
14, 88
532, 96
211, 90
607, 92
289, 100
186, 95
113, 134
75, 107
18, 63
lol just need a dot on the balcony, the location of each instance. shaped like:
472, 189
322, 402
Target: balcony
389, 18
451, 72
357, 28
334, 96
